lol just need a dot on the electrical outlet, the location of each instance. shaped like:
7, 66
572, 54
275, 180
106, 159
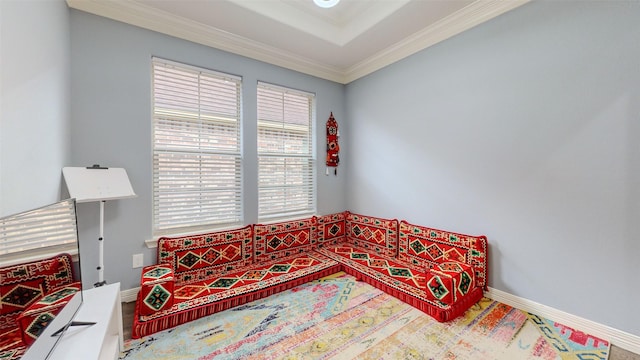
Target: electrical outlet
138, 260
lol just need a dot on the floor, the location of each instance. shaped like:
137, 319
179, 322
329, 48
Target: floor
127, 319
616, 353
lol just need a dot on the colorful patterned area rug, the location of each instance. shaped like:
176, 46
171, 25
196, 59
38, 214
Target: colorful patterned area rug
340, 318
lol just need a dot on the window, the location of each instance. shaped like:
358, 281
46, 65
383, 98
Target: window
197, 163
49, 229
286, 187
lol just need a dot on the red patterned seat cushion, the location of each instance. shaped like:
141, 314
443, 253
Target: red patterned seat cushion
199, 257
401, 277
246, 281
278, 240
23, 285
374, 234
40, 314
429, 247
408, 282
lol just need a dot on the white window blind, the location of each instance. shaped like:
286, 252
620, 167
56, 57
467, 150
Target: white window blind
197, 177
286, 186
47, 229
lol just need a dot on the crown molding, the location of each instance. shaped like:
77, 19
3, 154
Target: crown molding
464, 19
156, 20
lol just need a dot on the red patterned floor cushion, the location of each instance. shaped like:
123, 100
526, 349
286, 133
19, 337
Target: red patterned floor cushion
244, 281
248, 280
331, 229
203, 298
39, 315
199, 257
372, 233
403, 277
429, 247
274, 241
157, 285
401, 280
23, 285
449, 282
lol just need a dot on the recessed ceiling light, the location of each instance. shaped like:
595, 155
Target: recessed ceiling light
326, 3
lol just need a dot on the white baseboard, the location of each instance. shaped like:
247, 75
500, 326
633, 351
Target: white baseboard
129, 295
614, 336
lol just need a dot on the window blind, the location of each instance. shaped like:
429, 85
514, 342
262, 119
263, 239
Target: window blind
286, 186
49, 228
197, 177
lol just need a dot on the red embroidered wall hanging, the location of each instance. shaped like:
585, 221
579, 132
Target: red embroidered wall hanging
332, 145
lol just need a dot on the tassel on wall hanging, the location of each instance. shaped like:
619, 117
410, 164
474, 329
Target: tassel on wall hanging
333, 148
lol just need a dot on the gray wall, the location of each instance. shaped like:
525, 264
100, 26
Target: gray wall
111, 125
524, 129
34, 102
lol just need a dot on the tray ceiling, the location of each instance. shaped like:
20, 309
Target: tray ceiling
341, 44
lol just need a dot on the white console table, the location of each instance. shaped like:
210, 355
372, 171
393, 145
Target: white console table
101, 341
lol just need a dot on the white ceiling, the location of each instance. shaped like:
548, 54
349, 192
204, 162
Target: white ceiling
341, 44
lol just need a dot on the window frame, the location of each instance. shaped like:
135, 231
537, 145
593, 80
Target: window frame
210, 154
39, 233
309, 175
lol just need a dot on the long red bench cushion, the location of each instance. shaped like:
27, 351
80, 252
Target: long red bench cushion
429, 247
244, 281
331, 229
373, 234
198, 257
402, 277
403, 281
23, 285
192, 301
278, 240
